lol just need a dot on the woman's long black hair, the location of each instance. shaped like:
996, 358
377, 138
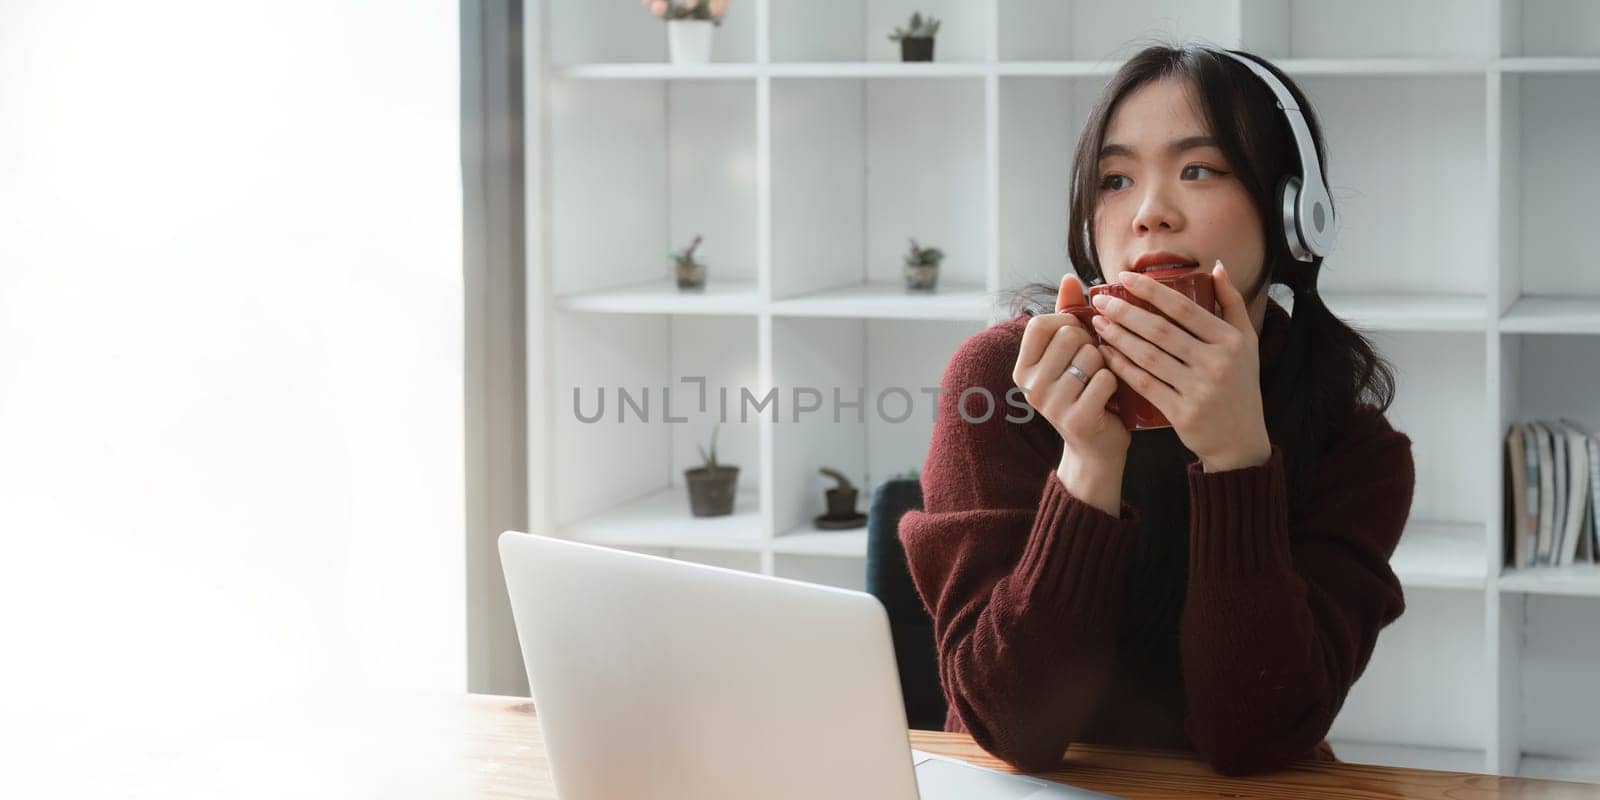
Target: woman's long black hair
1326, 368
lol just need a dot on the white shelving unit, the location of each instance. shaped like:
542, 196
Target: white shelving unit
1461, 139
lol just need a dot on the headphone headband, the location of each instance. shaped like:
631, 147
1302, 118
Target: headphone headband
1307, 208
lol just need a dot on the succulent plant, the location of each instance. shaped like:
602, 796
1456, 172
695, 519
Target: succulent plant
840, 481
920, 28
923, 256
688, 9
710, 459
685, 257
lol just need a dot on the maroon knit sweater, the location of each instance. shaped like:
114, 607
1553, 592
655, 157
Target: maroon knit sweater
1028, 586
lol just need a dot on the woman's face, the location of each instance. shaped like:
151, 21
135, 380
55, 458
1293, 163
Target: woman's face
1165, 188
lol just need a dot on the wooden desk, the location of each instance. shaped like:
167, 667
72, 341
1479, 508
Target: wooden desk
341, 745
511, 748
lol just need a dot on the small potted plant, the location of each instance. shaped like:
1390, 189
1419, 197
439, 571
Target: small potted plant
711, 485
689, 26
841, 503
842, 497
916, 43
691, 273
922, 267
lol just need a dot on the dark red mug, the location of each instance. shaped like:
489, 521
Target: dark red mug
1136, 412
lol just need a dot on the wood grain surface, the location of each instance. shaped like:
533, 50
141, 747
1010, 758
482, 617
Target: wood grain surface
512, 749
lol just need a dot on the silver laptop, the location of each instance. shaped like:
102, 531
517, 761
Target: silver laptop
666, 679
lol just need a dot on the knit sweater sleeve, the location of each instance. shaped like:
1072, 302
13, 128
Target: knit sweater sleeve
1283, 610
1023, 581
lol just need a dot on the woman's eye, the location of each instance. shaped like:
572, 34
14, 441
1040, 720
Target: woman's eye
1190, 172
1111, 182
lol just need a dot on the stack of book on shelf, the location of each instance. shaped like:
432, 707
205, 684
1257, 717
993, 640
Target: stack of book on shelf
1553, 483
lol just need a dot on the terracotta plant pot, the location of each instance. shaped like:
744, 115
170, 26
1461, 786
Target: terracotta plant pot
711, 490
841, 502
916, 48
691, 277
922, 277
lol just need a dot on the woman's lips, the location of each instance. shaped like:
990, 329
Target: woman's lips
1167, 266
1166, 270
1151, 260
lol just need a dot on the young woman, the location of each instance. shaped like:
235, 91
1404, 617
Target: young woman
1216, 586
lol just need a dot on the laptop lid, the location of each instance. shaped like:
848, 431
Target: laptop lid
660, 678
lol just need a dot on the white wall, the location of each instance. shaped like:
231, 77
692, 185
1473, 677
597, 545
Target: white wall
230, 351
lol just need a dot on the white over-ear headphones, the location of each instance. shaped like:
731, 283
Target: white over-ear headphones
1307, 210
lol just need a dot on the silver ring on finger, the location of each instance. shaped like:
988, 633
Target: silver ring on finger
1072, 369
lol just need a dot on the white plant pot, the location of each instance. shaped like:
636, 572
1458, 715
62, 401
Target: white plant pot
689, 40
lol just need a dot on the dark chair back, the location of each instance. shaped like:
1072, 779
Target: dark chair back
889, 580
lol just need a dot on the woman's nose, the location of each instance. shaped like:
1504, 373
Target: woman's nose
1156, 212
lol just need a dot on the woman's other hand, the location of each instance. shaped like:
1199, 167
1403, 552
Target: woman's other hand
1203, 372
1095, 442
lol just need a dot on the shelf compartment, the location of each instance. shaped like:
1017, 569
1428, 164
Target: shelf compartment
1553, 315
662, 519
625, 422
1557, 117
671, 160
1435, 127
894, 369
827, 356
1447, 438
808, 31
664, 297
1558, 699
1550, 28
1550, 377
890, 301
1415, 29
849, 152
1039, 122
1441, 555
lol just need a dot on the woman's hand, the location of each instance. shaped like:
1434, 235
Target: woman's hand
1095, 442
1203, 373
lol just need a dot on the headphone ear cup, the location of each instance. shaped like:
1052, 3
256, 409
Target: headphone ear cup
1289, 202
